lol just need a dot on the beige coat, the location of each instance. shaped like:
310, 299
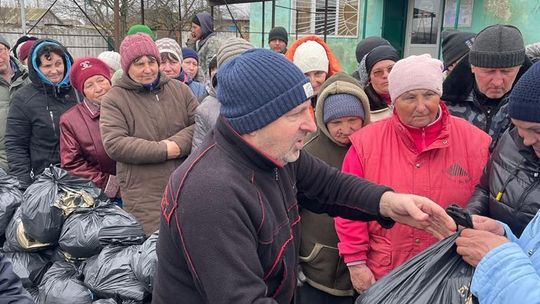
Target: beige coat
133, 123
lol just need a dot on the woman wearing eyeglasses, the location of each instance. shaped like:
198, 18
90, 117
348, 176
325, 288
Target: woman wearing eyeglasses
374, 70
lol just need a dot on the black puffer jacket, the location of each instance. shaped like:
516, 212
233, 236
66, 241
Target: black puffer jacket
509, 189
32, 129
465, 101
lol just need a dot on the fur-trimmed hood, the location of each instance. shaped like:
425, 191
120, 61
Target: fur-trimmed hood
333, 63
340, 83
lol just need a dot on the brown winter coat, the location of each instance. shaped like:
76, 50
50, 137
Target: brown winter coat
133, 123
319, 257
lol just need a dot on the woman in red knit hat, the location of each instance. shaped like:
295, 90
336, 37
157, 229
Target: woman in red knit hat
81, 149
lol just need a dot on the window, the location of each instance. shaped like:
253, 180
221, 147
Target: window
342, 17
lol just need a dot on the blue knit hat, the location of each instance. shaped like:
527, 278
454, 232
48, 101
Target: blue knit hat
524, 101
342, 105
258, 87
189, 53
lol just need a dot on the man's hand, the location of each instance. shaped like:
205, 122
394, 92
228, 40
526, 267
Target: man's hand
417, 211
487, 224
361, 277
173, 151
473, 244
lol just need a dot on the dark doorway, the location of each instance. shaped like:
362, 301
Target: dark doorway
395, 23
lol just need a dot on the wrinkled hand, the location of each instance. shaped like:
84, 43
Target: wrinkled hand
417, 211
361, 277
487, 224
173, 151
473, 244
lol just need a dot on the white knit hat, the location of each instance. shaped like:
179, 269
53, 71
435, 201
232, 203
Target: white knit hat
112, 59
311, 56
168, 45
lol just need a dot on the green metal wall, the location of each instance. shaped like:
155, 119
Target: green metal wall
344, 48
525, 14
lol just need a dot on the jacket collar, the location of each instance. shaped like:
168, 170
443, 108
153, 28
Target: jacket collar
440, 126
127, 83
90, 108
239, 149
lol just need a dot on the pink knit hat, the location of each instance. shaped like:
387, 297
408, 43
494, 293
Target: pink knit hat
414, 73
135, 46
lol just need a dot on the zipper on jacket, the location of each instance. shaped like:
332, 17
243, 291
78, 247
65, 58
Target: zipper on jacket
52, 119
276, 174
157, 97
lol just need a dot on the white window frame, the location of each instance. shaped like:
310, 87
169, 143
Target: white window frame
312, 25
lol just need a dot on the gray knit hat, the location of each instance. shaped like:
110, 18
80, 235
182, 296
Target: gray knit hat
4, 41
168, 45
498, 46
342, 105
232, 48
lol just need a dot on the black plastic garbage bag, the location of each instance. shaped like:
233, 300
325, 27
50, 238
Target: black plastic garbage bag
51, 198
437, 275
34, 293
109, 274
83, 231
28, 266
10, 199
105, 301
62, 285
144, 262
17, 239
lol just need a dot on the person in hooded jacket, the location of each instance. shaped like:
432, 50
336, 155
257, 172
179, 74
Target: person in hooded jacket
146, 125
315, 59
171, 65
13, 76
510, 186
342, 109
81, 148
206, 41
373, 72
32, 129
207, 112
421, 149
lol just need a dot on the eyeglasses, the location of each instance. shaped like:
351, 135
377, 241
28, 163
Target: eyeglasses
380, 72
4, 50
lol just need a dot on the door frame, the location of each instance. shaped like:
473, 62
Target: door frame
408, 28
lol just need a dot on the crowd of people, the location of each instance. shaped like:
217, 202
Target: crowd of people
272, 175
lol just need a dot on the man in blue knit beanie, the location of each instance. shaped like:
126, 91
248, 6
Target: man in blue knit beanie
230, 216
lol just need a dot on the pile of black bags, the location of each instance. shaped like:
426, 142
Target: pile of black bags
70, 244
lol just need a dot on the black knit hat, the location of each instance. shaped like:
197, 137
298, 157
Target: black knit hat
366, 45
455, 45
498, 46
280, 33
380, 53
524, 101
